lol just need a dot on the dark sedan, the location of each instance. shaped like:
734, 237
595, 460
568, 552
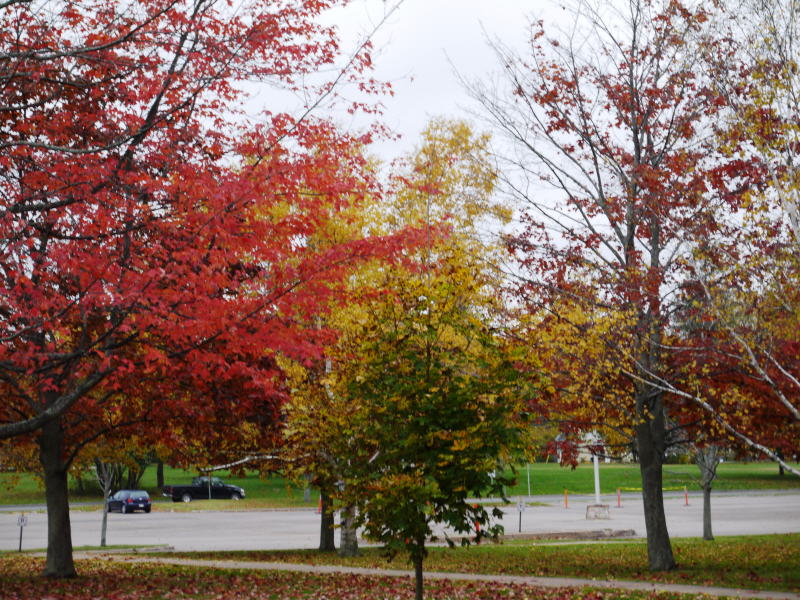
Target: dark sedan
126, 501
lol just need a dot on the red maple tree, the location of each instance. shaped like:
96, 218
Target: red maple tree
153, 250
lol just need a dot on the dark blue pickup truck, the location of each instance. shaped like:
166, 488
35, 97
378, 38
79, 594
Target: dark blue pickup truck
203, 488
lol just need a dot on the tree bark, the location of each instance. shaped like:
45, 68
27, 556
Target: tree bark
706, 460
103, 472
135, 473
59, 562
348, 541
326, 532
650, 438
159, 473
418, 577
707, 533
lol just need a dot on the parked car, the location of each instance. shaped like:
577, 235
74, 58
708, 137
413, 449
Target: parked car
203, 488
126, 501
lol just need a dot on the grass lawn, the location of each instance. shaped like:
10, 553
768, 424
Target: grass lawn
554, 479
275, 491
751, 562
107, 579
270, 491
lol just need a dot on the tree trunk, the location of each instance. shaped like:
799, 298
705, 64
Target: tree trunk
134, 477
104, 523
707, 534
650, 438
418, 577
103, 471
159, 474
326, 532
348, 541
59, 536
707, 462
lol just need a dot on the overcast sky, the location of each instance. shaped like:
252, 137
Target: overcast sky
424, 41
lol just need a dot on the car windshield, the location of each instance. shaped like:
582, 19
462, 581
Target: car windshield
215, 481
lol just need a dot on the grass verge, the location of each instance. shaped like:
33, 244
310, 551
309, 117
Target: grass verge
769, 562
128, 581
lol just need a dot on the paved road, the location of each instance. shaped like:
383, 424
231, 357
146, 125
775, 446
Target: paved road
733, 514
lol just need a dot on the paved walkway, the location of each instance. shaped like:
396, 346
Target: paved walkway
549, 582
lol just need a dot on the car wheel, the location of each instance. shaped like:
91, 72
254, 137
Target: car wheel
186, 497
235, 496
124, 509
147, 510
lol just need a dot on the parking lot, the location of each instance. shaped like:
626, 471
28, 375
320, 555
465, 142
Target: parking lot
733, 514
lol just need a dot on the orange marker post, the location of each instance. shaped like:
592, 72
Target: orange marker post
686, 495
619, 498
566, 498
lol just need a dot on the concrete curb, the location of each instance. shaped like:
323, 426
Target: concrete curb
596, 534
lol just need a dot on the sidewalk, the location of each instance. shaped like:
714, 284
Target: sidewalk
547, 582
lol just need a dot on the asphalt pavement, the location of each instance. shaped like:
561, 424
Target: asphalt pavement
732, 513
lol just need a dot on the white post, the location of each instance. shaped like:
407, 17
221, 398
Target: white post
529, 480
596, 479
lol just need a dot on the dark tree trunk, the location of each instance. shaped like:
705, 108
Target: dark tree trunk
326, 531
707, 533
650, 438
59, 536
159, 473
135, 474
418, 577
348, 543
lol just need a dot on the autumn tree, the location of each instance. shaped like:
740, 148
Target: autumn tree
313, 449
141, 281
746, 281
419, 391
439, 400
722, 347
613, 159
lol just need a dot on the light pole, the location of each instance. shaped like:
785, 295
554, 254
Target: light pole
596, 479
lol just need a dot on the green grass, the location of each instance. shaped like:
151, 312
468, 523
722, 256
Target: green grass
275, 491
272, 491
553, 479
769, 562
128, 581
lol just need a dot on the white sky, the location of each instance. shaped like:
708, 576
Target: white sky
421, 44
